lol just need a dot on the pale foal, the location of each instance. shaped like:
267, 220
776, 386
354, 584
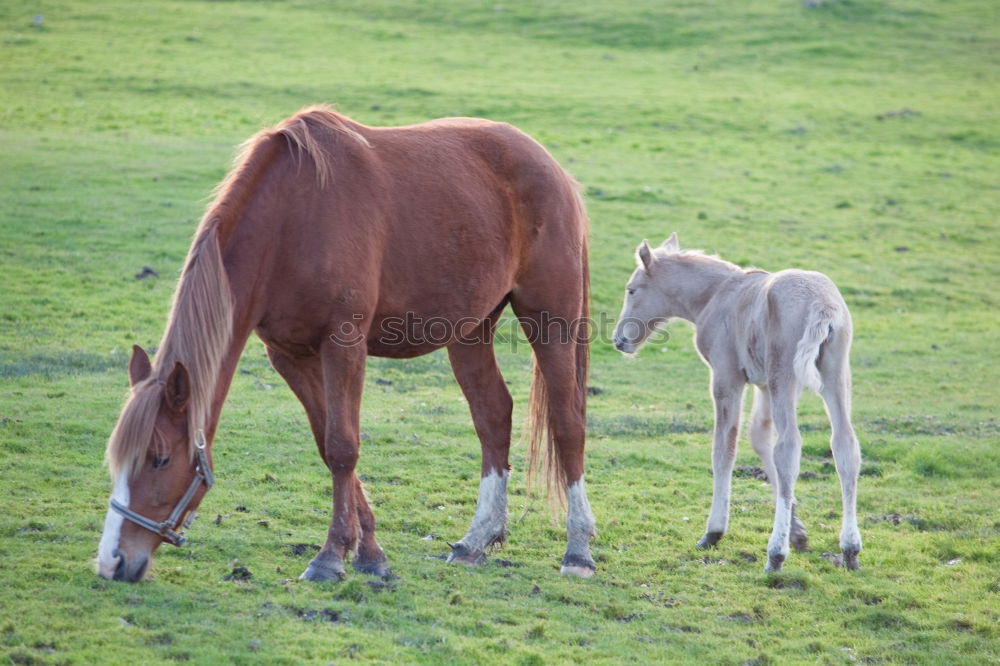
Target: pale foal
781, 332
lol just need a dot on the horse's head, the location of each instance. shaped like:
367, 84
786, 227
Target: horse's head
647, 302
160, 472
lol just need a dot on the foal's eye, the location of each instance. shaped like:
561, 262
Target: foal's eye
160, 461
631, 291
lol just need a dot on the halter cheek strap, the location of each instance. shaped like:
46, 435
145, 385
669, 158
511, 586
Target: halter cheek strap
168, 528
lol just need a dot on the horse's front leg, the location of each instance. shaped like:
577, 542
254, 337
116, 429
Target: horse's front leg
475, 368
727, 394
343, 380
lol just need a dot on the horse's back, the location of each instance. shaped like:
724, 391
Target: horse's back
436, 220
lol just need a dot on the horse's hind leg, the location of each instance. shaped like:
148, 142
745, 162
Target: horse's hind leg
762, 440
836, 394
557, 348
727, 393
476, 371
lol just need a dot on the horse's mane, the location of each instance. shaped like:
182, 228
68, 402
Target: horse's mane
198, 332
199, 327
300, 133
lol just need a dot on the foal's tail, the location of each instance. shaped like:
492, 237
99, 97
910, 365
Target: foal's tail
539, 425
822, 321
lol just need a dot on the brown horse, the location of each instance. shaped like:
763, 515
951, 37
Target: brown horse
334, 241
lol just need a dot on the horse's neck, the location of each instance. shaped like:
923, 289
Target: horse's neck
702, 278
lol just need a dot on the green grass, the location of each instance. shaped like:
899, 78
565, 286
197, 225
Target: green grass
859, 138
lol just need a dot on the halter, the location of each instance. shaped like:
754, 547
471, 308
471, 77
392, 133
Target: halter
167, 529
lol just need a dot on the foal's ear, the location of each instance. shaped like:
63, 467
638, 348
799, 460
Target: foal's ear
644, 255
672, 244
139, 367
177, 392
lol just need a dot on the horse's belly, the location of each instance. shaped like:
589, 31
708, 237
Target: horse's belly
409, 334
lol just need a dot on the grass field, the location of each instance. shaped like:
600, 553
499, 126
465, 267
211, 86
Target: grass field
860, 138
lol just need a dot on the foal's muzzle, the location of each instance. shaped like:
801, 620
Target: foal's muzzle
623, 345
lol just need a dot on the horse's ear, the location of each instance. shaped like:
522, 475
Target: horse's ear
672, 244
644, 255
177, 392
139, 367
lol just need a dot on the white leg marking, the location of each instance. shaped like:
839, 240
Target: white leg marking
490, 519
580, 528
106, 561
579, 519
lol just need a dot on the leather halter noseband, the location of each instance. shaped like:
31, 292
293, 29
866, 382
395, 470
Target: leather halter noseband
168, 528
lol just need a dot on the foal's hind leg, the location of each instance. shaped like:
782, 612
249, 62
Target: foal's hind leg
762, 440
836, 394
727, 393
475, 368
787, 457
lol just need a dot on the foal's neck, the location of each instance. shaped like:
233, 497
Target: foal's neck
698, 281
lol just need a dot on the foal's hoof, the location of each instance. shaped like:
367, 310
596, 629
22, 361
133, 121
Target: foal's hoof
580, 566
851, 560
710, 539
798, 537
774, 563
462, 554
328, 567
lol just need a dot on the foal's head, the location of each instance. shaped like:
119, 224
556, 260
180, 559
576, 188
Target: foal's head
648, 303
150, 457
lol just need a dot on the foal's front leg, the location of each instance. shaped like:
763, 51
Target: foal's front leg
727, 393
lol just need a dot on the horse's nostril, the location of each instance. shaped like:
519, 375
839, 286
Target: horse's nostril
120, 569
123, 573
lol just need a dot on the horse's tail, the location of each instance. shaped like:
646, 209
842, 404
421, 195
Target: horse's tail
539, 428
822, 321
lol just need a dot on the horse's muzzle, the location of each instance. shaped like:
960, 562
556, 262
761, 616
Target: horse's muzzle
130, 572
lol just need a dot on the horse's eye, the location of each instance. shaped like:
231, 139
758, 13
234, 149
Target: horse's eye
160, 461
631, 291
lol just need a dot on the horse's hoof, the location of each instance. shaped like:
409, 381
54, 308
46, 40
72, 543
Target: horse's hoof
580, 566
378, 568
851, 560
321, 569
710, 539
774, 563
461, 554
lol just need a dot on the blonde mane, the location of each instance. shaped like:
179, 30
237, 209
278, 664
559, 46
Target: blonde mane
198, 334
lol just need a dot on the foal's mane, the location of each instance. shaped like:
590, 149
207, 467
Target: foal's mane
698, 257
199, 327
